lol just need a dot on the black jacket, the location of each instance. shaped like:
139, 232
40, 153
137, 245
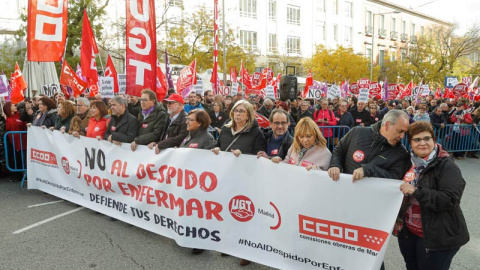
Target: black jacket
361, 117
218, 121
49, 120
344, 120
134, 109
151, 128
380, 159
437, 120
250, 141
286, 143
200, 139
123, 129
301, 115
264, 111
175, 133
439, 192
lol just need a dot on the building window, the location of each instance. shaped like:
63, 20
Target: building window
293, 15
393, 26
393, 56
335, 7
382, 22
422, 30
381, 55
321, 5
175, 3
369, 54
293, 45
412, 30
369, 18
321, 30
335, 32
272, 10
248, 39
404, 27
348, 35
403, 55
348, 10
272, 42
248, 8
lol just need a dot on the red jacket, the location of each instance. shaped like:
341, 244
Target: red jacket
96, 128
325, 114
13, 123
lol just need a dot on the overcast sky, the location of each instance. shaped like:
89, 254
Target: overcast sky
464, 12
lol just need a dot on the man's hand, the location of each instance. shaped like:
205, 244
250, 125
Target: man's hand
117, 143
216, 150
236, 152
442, 125
99, 138
29, 111
76, 134
407, 188
157, 150
276, 159
109, 138
262, 154
133, 146
334, 173
152, 145
310, 167
357, 174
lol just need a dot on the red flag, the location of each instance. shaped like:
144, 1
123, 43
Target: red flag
68, 77
110, 71
438, 93
162, 85
308, 82
407, 91
233, 75
46, 30
141, 46
187, 78
18, 85
87, 56
275, 83
245, 79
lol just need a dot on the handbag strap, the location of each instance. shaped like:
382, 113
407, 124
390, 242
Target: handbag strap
234, 140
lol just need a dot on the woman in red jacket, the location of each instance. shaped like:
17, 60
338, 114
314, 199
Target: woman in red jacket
98, 123
17, 144
325, 117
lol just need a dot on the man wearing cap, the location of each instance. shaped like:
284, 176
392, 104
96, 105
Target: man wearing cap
390, 106
123, 126
177, 125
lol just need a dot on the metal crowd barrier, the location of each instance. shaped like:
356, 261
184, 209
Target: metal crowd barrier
11, 138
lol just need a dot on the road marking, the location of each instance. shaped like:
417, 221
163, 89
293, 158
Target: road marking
48, 220
42, 204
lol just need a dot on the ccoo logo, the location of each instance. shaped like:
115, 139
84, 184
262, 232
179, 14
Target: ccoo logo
241, 208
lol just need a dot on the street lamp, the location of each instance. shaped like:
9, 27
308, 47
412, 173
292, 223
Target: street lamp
373, 38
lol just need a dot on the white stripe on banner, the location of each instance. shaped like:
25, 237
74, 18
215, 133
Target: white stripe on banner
275, 214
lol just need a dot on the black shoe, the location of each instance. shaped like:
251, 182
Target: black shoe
473, 155
196, 251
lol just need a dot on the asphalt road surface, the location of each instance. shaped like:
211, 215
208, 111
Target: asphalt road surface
40, 231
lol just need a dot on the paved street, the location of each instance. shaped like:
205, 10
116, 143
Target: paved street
83, 239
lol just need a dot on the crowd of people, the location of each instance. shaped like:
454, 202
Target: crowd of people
430, 227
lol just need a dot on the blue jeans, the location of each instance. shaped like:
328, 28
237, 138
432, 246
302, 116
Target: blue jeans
416, 257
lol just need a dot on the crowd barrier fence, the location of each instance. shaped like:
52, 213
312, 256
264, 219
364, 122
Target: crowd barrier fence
19, 165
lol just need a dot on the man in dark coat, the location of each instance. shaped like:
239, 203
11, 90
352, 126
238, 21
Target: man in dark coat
123, 126
266, 109
278, 138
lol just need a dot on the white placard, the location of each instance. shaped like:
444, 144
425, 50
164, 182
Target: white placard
198, 89
5, 82
270, 91
122, 84
425, 90
333, 91
363, 94
314, 93
107, 89
234, 90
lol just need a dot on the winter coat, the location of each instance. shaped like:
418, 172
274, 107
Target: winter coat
317, 156
437, 120
325, 115
421, 117
218, 121
134, 109
85, 122
49, 120
63, 122
439, 192
365, 147
199, 139
361, 117
249, 141
301, 115
189, 107
13, 123
344, 120
175, 133
286, 144
96, 127
150, 129
264, 111
123, 129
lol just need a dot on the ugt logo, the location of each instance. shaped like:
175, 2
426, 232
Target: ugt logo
241, 208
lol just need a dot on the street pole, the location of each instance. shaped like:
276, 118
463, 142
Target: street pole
224, 55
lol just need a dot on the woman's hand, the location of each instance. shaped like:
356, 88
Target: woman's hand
236, 152
62, 129
152, 145
99, 138
407, 188
133, 146
310, 167
262, 154
29, 125
51, 128
76, 134
216, 150
157, 150
276, 159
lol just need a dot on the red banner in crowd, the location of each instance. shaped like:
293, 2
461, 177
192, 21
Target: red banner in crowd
162, 85
375, 90
18, 85
354, 88
68, 77
187, 78
460, 90
393, 90
88, 50
214, 78
110, 71
363, 83
141, 46
46, 30
245, 79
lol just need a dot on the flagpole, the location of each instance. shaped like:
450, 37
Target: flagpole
101, 63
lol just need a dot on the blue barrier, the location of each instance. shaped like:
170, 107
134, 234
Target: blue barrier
17, 166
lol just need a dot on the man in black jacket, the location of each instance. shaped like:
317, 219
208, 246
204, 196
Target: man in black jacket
278, 138
374, 151
123, 126
360, 115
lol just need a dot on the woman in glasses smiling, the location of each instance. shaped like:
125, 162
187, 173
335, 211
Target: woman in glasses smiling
430, 226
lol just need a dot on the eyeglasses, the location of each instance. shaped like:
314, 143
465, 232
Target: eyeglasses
191, 120
425, 139
280, 123
239, 111
143, 100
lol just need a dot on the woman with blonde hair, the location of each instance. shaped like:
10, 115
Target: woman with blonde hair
309, 148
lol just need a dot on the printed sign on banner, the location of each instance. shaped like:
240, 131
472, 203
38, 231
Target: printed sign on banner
247, 220
364, 83
363, 94
50, 89
354, 88
122, 84
333, 91
467, 80
107, 89
270, 91
234, 90
450, 82
198, 88
425, 90
314, 93
460, 89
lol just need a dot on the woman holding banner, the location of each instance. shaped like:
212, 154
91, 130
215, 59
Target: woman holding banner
309, 148
430, 226
65, 113
46, 113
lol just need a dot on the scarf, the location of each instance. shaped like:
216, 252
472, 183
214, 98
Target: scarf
419, 164
145, 113
302, 153
38, 121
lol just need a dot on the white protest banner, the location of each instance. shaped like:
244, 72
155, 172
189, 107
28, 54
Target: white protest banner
333, 91
276, 214
234, 89
198, 88
5, 83
425, 90
314, 93
363, 94
270, 91
467, 80
122, 84
107, 89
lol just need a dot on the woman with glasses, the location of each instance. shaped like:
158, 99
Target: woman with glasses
430, 225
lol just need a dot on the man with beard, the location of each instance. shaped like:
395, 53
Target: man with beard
193, 103
123, 126
278, 138
208, 101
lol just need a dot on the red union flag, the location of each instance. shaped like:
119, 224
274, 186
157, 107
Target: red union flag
363, 83
46, 30
460, 89
354, 88
68, 77
375, 89
110, 71
187, 77
141, 46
